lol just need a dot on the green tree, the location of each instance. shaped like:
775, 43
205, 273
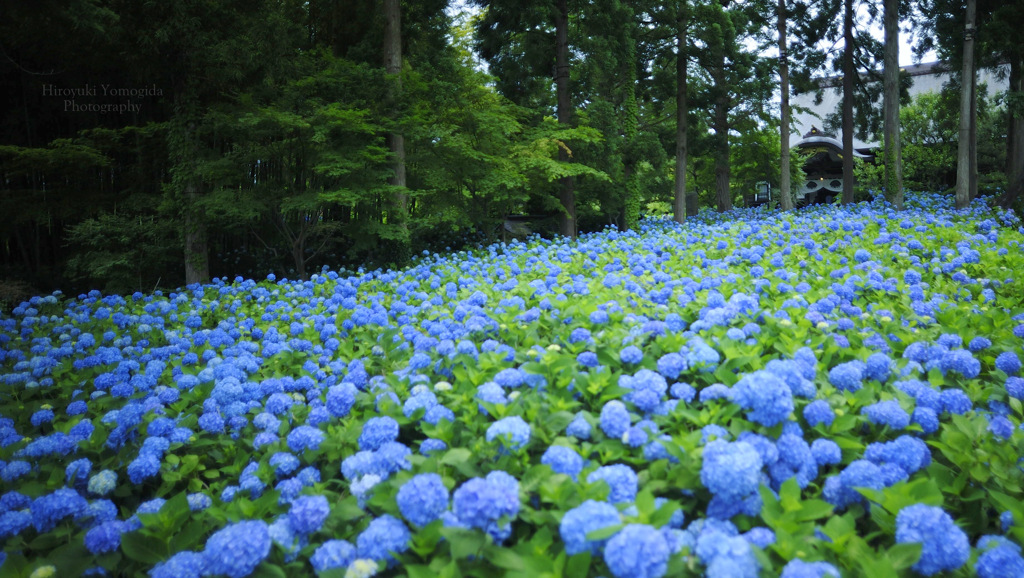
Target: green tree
891, 103
785, 182
737, 80
940, 27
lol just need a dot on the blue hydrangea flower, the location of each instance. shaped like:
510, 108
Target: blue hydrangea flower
13, 522
384, 537
392, 457
579, 427
377, 431
184, 564
767, 398
563, 460
514, 428
955, 401
278, 403
792, 373
631, 354
1008, 362
341, 398
198, 501
760, 537
332, 554
671, 365
77, 471
145, 466
1015, 387
48, 509
797, 568
726, 556
637, 551
41, 416
731, 470
714, 431
14, 470
1001, 427
887, 413
683, 392
839, 490
978, 344
237, 549
960, 361
795, 459
878, 367
620, 478
615, 419
1006, 521
944, 545
647, 387
14, 500
826, 452
304, 437
587, 359
588, 517
715, 391
1001, 558
491, 392
819, 412
847, 376
422, 499
284, 463
308, 513
482, 502
105, 537
509, 377
634, 437
425, 400
431, 445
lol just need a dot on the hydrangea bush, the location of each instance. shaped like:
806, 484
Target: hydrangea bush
830, 392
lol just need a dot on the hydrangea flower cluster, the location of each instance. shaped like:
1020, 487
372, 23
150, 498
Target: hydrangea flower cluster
422, 499
944, 545
825, 350
488, 503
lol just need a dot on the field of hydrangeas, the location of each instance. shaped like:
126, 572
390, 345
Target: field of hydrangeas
830, 392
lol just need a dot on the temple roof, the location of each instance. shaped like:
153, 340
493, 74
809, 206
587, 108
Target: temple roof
814, 138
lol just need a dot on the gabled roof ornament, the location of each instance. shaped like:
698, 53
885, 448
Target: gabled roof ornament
815, 132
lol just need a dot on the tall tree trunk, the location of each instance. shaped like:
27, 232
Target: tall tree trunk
974, 138
184, 147
197, 259
567, 220
785, 184
682, 59
963, 164
1015, 138
891, 105
299, 257
398, 212
630, 128
848, 72
723, 195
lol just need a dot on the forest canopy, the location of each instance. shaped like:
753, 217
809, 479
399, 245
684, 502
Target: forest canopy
147, 145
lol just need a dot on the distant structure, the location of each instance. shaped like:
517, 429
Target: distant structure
823, 167
824, 152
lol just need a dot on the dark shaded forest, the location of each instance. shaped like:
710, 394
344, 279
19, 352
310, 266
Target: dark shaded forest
148, 145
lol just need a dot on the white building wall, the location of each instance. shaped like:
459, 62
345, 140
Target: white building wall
925, 77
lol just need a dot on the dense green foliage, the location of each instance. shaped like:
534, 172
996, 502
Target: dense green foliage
244, 137
854, 361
